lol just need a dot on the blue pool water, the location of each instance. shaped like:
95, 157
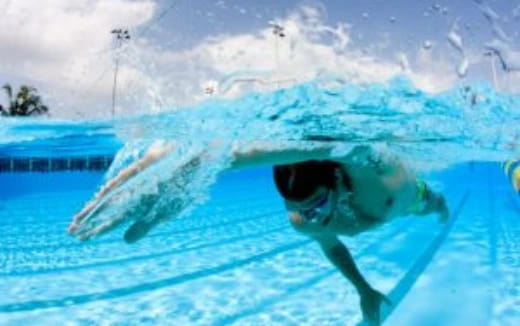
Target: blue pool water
235, 260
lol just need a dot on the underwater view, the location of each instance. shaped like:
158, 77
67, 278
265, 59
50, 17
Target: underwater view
240, 163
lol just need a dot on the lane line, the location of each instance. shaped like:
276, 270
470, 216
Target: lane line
145, 287
395, 295
169, 232
144, 257
402, 288
295, 288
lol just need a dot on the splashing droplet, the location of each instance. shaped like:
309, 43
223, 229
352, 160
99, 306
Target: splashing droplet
493, 18
455, 39
427, 45
462, 69
516, 12
509, 58
403, 62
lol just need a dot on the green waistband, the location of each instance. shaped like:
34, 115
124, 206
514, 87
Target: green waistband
420, 199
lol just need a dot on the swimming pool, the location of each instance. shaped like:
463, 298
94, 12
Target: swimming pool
235, 260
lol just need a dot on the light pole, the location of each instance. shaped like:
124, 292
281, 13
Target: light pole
491, 56
279, 32
121, 35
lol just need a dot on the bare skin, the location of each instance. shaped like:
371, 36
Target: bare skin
244, 158
154, 154
383, 189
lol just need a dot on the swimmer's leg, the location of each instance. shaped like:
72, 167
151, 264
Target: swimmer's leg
427, 202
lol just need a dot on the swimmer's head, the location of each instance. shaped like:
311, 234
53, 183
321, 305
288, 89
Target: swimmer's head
309, 188
299, 181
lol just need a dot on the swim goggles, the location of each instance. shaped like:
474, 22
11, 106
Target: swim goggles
320, 210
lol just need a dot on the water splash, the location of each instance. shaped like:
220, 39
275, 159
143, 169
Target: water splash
455, 41
404, 63
462, 69
394, 113
509, 58
493, 18
426, 130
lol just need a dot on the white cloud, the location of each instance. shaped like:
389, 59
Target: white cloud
65, 50
238, 63
59, 46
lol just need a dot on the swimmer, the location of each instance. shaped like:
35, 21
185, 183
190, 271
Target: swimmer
325, 197
512, 171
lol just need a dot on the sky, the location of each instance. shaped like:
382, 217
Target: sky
184, 51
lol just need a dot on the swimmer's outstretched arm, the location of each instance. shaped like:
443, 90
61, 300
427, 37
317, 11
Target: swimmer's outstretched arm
339, 255
255, 153
278, 153
271, 153
244, 154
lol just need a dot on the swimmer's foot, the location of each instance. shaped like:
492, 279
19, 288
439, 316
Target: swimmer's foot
442, 209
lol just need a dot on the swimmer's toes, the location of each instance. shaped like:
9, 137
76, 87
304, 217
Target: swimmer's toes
444, 212
137, 231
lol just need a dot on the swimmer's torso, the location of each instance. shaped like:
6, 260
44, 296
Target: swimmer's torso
377, 197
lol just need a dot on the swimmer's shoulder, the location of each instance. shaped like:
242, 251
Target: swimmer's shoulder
364, 159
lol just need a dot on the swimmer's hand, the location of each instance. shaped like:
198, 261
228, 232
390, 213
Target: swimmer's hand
157, 151
146, 214
92, 226
86, 224
371, 301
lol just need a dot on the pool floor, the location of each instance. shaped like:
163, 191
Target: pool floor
236, 261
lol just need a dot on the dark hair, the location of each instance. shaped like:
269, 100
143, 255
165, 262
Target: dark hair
300, 180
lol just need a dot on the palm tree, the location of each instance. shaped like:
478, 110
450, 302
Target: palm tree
9, 92
26, 102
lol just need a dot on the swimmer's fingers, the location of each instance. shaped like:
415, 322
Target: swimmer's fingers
77, 219
105, 227
88, 218
90, 212
156, 152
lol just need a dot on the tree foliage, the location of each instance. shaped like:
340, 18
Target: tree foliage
27, 102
